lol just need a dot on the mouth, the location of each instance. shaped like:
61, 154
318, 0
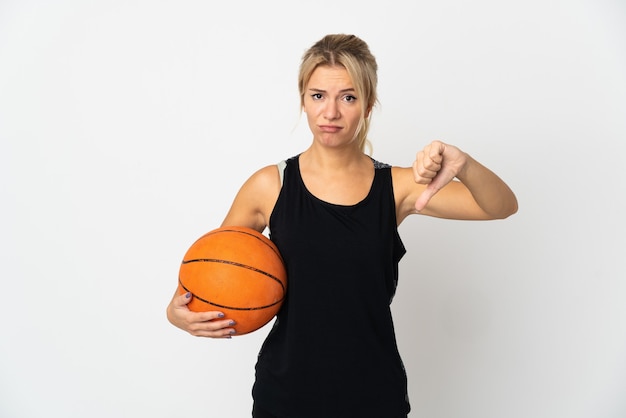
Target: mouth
329, 128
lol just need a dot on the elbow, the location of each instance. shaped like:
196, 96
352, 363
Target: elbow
508, 208
505, 215
501, 208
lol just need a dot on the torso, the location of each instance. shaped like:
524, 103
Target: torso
342, 264
347, 188
347, 185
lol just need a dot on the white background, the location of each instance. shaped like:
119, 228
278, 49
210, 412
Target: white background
127, 127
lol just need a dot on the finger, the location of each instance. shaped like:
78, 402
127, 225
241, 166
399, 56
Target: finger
181, 300
443, 177
225, 333
207, 316
424, 171
213, 328
435, 151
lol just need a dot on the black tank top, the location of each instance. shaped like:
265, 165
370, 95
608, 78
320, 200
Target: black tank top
332, 351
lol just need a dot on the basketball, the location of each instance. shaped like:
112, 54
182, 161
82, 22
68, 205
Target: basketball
237, 271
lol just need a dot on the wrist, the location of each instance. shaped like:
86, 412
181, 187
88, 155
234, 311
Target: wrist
465, 167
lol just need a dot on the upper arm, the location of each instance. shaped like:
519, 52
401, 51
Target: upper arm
453, 201
255, 200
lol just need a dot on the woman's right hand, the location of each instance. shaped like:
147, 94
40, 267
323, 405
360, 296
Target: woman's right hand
200, 324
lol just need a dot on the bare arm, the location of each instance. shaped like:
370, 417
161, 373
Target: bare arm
255, 200
446, 182
251, 208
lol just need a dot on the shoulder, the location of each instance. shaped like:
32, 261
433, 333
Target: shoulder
270, 178
403, 181
256, 198
379, 165
402, 172
265, 179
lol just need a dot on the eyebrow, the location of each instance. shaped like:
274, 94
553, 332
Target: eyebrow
340, 91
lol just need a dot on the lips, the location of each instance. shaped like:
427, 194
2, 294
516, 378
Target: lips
330, 128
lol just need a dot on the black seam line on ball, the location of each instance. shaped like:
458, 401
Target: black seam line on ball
233, 263
255, 308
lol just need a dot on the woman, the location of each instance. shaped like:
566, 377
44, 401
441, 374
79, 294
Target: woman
333, 212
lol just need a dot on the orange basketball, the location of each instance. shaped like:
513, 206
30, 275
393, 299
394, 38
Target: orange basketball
237, 271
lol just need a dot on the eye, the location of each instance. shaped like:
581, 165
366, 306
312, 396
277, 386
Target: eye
349, 98
316, 96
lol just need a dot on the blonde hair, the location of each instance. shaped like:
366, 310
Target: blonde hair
354, 55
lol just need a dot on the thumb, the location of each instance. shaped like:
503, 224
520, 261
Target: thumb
182, 299
443, 177
425, 197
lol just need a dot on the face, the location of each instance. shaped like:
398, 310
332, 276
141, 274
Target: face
333, 111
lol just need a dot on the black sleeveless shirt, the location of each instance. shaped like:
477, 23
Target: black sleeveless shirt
332, 351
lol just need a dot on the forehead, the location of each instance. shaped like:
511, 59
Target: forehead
326, 77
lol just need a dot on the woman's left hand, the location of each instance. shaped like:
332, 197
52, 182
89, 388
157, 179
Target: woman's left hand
436, 165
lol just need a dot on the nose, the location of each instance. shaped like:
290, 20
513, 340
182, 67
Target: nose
331, 111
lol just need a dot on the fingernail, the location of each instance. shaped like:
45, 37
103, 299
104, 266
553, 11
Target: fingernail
231, 323
220, 315
188, 295
232, 331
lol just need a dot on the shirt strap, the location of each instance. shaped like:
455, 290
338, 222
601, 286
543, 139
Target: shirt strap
281, 170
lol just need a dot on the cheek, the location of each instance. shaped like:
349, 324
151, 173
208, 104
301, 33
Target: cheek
308, 106
310, 118
355, 117
310, 109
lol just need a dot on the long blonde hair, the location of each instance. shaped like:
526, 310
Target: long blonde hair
354, 55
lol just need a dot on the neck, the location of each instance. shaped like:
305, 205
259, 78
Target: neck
332, 158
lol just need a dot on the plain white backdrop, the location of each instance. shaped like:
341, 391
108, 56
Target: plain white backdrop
127, 127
